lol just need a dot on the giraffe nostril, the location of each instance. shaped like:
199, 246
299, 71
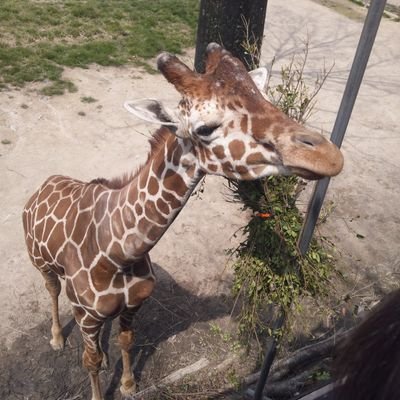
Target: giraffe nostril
309, 139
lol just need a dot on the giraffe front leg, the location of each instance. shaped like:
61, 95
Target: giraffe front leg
125, 341
93, 356
53, 286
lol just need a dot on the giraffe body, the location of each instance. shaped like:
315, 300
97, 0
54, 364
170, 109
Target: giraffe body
97, 235
81, 228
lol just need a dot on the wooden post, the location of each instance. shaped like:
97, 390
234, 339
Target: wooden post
232, 24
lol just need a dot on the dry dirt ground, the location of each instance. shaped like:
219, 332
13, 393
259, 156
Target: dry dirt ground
175, 327
65, 135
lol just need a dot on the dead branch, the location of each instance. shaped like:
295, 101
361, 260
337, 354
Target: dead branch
149, 392
301, 357
289, 387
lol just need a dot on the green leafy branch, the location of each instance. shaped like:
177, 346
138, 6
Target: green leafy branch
269, 270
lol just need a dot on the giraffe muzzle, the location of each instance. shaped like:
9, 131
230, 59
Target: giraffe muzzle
312, 156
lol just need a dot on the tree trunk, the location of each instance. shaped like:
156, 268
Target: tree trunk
238, 25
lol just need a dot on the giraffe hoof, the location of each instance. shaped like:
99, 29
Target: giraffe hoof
57, 343
128, 389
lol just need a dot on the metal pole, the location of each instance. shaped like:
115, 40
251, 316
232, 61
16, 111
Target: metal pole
269, 359
361, 57
359, 65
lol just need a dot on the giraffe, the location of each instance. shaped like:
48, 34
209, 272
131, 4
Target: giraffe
97, 235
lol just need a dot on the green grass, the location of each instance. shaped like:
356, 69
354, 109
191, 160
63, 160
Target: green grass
88, 99
37, 39
58, 87
358, 2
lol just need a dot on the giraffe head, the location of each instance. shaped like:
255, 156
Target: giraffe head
235, 131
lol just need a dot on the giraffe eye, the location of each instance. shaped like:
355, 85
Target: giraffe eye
206, 130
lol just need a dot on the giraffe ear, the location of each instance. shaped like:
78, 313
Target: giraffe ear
152, 111
259, 76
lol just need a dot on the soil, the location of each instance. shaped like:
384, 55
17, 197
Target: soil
173, 331
41, 136
87, 140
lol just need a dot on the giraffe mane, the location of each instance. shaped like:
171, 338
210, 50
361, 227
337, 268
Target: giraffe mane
157, 142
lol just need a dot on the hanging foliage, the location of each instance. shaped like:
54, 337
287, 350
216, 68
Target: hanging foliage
269, 269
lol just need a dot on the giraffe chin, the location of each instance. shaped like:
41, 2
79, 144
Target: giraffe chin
306, 174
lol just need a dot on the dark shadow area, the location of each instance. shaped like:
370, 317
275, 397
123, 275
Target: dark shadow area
172, 309
105, 337
31, 369
169, 329
68, 328
321, 369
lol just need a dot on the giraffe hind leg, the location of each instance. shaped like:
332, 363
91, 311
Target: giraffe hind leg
126, 336
53, 286
126, 341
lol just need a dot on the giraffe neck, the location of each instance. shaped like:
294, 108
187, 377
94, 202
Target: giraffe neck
146, 206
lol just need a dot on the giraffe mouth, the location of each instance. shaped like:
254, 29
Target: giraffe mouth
305, 173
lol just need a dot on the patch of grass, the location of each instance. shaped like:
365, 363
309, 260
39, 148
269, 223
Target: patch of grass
386, 15
39, 38
359, 9
358, 2
321, 375
19, 65
233, 378
394, 11
59, 87
346, 8
226, 337
88, 99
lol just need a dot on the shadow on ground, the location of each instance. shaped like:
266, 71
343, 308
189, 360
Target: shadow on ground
32, 370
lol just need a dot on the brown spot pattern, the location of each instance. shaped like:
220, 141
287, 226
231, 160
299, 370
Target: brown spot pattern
138, 209
129, 217
227, 167
219, 151
152, 214
244, 124
49, 225
256, 158
237, 149
175, 183
110, 304
162, 206
117, 224
177, 156
259, 126
153, 186
102, 274
80, 226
